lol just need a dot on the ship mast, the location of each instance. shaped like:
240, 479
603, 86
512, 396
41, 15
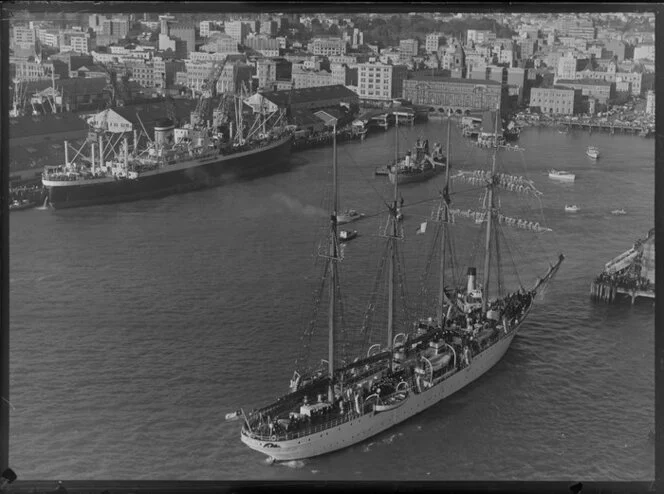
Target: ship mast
333, 269
393, 237
444, 219
489, 220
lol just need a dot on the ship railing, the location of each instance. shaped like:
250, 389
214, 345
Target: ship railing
306, 431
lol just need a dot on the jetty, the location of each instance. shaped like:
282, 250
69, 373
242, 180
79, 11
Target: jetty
631, 274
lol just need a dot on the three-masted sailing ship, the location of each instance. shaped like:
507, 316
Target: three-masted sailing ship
439, 354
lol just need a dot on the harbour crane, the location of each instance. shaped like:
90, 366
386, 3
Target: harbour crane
208, 91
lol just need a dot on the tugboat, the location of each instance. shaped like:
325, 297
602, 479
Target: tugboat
361, 392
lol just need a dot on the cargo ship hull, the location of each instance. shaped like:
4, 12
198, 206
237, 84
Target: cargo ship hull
199, 175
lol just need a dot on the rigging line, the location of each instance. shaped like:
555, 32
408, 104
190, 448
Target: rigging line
509, 252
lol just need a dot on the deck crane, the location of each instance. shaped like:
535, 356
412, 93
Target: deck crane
208, 91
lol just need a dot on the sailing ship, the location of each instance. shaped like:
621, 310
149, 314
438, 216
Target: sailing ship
349, 401
418, 166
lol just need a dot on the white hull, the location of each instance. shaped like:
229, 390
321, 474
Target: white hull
565, 177
368, 425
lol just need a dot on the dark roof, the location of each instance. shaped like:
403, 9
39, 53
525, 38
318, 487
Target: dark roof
149, 113
585, 82
424, 77
76, 85
307, 95
45, 124
489, 123
302, 117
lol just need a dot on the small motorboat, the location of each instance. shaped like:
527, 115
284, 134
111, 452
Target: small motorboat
572, 209
562, 175
233, 415
382, 171
348, 216
391, 402
593, 152
347, 235
21, 205
618, 212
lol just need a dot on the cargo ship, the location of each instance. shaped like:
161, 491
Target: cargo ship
175, 160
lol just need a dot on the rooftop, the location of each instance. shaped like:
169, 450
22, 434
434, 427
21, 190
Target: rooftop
424, 77
306, 95
585, 82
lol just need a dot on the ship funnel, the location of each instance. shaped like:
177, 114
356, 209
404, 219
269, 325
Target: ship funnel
163, 133
471, 279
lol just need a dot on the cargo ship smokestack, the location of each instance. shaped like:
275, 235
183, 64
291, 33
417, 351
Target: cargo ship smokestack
163, 133
471, 279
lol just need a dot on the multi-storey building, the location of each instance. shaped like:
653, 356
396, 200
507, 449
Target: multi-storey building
528, 47
358, 38
556, 100
567, 67
205, 27
196, 74
616, 48
24, 70
601, 90
433, 41
238, 30
23, 37
409, 47
379, 81
650, 102
233, 77
304, 78
269, 28
186, 33
328, 46
75, 41
202, 56
454, 94
479, 36
219, 43
143, 74
164, 72
261, 42
644, 51
49, 37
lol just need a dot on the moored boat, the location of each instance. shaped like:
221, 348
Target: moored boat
592, 152
175, 159
572, 208
420, 165
618, 212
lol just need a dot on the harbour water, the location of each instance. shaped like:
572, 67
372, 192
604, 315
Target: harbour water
136, 327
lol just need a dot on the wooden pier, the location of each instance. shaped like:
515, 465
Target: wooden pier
607, 292
606, 127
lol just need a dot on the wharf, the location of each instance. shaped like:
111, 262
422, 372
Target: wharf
630, 274
611, 127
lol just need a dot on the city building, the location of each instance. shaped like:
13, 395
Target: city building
219, 43
603, 91
269, 28
238, 30
558, 101
234, 77
433, 41
164, 72
527, 48
616, 48
408, 47
23, 39
357, 38
644, 52
315, 98
650, 102
261, 43
454, 94
377, 81
304, 78
328, 46
479, 36
185, 33
75, 41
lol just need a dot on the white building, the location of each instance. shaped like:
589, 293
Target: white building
644, 52
328, 46
433, 41
650, 102
238, 30
480, 36
566, 68
379, 81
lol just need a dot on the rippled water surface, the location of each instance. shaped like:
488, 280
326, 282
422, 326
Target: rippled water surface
136, 327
